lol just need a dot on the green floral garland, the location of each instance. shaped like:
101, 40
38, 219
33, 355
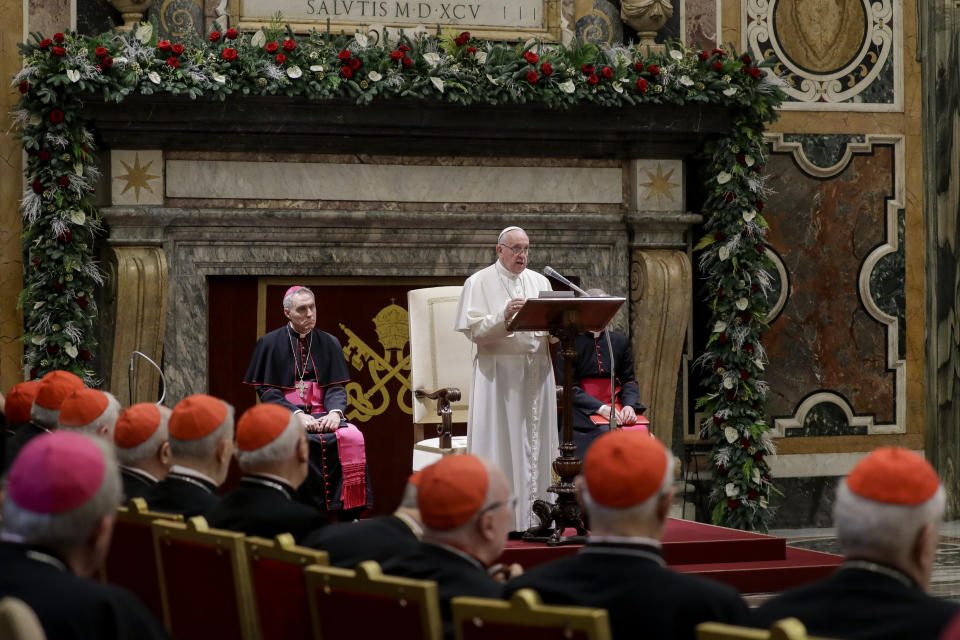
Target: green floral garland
61, 224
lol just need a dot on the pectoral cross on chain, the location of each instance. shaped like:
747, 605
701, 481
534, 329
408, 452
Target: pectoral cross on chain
302, 387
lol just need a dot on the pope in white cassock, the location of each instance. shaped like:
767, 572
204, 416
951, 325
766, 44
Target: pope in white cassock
513, 401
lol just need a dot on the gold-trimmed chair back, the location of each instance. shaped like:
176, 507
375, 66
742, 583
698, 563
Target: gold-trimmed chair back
365, 603
18, 621
204, 581
525, 617
130, 562
786, 629
279, 588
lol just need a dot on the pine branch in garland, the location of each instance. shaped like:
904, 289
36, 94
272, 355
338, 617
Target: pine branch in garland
736, 272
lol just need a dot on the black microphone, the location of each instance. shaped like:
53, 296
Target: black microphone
550, 271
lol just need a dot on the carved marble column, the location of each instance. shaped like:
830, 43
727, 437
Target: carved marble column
661, 284
140, 312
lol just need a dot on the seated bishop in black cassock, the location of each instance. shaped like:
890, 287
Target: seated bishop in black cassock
302, 368
272, 454
201, 443
16, 415
44, 411
380, 539
626, 487
61, 494
887, 513
467, 511
141, 437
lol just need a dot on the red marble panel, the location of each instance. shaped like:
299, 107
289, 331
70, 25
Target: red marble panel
701, 22
824, 338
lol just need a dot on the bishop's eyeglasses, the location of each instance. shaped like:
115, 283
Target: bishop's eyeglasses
516, 250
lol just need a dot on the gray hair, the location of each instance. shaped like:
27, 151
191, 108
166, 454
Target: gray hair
148, 448
611, 517
280, 449
409, 499
205, 447
106, 419
46, 418
882, 530
63, 531
288, 300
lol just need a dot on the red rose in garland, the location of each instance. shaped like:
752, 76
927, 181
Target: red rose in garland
755, 72
532, 77
746, 59
56, 116
24, 87
703, 56
37, 187
606, 72
43, 155
753, 494
531, 57
587, 69
397, 55
289, 45
164, 45
355, 63
407, 62
232, 34
344, 55
471, 51
638, 67
63, 181
45, 43
653, 69
229, 54
281, 58
214, 36
59, 38
346, 72
173, 62
593, 79
66, 236
403, 48
718, 52
641, 84
271, 47
462, 39
718, 66
546, 69
107, 62
58, 51
82, 302
100, 52
85, 355
177, 49
733, 503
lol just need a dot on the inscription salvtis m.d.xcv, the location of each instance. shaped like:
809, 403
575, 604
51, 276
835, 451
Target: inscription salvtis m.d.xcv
497, 13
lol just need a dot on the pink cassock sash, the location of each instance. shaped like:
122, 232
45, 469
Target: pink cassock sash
350, 447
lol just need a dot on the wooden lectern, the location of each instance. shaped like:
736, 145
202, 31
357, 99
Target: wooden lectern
564, 318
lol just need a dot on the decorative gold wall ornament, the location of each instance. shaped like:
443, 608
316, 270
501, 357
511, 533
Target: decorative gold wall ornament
131, 11
660, 185
393, 334
647, 17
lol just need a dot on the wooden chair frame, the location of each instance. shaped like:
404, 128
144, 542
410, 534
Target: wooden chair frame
786, 629
196, 531
369, 579
283, 549
137, 513
526, 609
18, 621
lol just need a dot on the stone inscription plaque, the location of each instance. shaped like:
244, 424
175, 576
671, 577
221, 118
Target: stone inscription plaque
526, 16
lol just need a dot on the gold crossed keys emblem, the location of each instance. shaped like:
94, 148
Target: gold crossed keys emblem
393, 334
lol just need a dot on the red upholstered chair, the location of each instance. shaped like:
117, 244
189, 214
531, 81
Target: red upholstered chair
204, 581
364, 603
526, 618
279, 588
130, 563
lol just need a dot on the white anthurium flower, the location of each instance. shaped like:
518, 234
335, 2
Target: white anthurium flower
686, 81
748, 216
154, 77
763, 502
361, 39
437, 82
294, 72
482, 57
742, 303
144, 32
749, 160
729, 91
373, 76
728, 382
567, 86
35, 119
218, 77
676, 55
39, 304
119, 60
730, 434
259, 39
756, 476
432, 59
732, 490
723, 253
73, 75
618, 87
77, 217
316, 68
78, 168
758, 363
492, 80
720, 326
71, 350
38, 340
723, 177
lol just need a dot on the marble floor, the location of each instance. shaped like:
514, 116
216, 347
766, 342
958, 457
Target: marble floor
946, 572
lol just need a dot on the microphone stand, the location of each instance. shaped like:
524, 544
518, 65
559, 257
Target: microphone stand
163, 378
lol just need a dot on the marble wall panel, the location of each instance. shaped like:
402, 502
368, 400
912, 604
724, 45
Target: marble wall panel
47, 16
824, 339
177, 19
700, 23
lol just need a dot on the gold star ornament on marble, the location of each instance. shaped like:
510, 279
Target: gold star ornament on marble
660, 185
137, 177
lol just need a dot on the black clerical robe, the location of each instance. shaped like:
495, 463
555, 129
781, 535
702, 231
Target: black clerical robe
281, 361
68, 607
135, 483
643, 598
455, 572
23, 434
592, 363
862, 601
183, 494
264, 506
380, 539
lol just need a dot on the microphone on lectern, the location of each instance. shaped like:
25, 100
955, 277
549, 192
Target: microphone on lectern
551, 272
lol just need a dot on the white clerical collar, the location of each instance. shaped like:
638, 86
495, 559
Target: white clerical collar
297, 333
502, 270
140, 472
191, 473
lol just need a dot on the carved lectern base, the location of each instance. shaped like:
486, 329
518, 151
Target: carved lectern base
566, 513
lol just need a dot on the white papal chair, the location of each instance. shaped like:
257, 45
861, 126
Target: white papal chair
441, 368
